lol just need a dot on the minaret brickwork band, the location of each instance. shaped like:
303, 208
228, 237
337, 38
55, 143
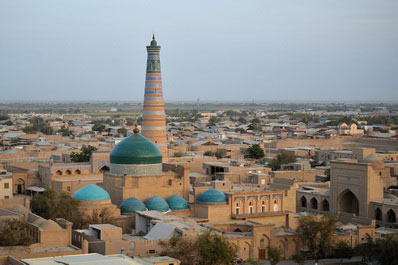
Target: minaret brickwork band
154, 118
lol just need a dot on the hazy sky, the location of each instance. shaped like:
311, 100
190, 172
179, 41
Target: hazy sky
211, 49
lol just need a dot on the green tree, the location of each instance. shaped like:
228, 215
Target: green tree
122, 131
37, 125
282, 159
369, 250
65, 132
343, 251
220, 154
51, 205
214, 249
213, 120
274, 255
178, 154
4, 117
208, 153
206, 249
242, 120
15, 233
316, 234
98, 126
84, 155
388, 251
255, 151
298, 258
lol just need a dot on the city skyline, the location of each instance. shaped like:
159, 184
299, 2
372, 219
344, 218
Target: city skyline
305, 52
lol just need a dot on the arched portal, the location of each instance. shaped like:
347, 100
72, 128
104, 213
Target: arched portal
378, 214
348, 203
325, 205
104, 169
391, 217
314, 203
303, 202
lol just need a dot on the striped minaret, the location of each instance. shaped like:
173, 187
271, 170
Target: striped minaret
154, 118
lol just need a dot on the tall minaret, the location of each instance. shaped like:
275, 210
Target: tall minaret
154, 119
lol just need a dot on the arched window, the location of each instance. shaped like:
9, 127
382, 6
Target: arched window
348, 203
303, 202
391, 217
325, 205
78, 172
59, 172
378, 214
170, 182
314, 204
68, 172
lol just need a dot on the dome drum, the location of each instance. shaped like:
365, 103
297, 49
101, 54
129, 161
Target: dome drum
136, 170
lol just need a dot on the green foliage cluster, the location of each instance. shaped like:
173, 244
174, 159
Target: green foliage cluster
4, 117
51, 205
282, 159
209, 153
84, 155
213, 120
384, 251
98, 126
122, 131
255, 151
15, 233
298, 258
316, 234
274, 255
37, 125
65, 132
178, 154
207, 249
219, 153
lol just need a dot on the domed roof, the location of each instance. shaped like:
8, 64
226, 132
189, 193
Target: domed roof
157, 204
131, 205
50, 225
91, 192
212, 195
154, 42
136, 149
177, 203
372, 158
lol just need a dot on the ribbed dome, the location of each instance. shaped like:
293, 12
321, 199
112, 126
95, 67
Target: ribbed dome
157, 204
177, 203
131, 205
91, 192
211, 196
136, 149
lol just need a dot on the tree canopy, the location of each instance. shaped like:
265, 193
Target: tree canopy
255, 151
282, 159
84, 155
207, 249
15, 233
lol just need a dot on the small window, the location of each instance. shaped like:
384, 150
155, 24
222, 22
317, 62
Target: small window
152, 251
6, 185
68, 188
6, 197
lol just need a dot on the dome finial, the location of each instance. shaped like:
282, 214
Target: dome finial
153, 36
136, 130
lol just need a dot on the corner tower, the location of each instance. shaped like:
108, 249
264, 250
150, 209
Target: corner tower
154, 118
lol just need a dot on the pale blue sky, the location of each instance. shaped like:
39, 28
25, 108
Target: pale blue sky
212, 50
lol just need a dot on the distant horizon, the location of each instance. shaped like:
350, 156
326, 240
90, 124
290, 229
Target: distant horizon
229, 50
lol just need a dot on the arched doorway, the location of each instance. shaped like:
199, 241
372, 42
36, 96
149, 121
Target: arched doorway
314, 204
348, 203
303, 202
391, 217
20, 186
325, 205
104, 169
378, 214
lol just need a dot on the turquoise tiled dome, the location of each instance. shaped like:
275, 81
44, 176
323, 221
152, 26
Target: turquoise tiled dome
136, 149
211, 196
157, 204
131, 205
177, 203
91, 192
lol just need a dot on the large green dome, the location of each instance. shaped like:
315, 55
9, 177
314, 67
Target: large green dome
136, 149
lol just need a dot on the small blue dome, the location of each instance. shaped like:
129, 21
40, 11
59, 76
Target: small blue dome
211, 196
177, 203
131, 205
157, 204
91, 192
